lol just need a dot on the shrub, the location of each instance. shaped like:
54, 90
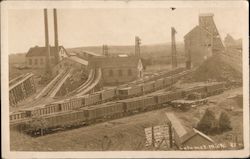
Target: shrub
224, 122
208, 123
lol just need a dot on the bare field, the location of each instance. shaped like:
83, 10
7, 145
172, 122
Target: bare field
128, 133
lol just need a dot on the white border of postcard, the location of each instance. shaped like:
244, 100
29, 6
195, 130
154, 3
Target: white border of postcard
5, 5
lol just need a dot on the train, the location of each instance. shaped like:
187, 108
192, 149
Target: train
111, 110
130, 90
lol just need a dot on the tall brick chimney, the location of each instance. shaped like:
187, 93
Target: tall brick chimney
48, 68
56, 37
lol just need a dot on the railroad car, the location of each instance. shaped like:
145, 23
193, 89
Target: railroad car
133, 105
159, 83
200, 89
215, 88
168, 81
148, 87
150, 102
53, 107
131, 91
168, 96
91, 99
66, 105
107, 95
14, 116
58, 120
103, 111
36, 111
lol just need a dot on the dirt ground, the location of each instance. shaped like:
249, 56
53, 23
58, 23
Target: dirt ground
128, 133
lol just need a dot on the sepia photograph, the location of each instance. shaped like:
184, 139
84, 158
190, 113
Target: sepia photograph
125, 79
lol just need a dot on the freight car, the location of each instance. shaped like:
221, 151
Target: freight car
103, 112
124, 92
107, 95
110, 110
127, 92
202, 90
215, 88
168, 96
15, 116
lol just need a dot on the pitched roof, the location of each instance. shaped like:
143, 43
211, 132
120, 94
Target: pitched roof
192, 133
195, 29
41, 51
79, 60
108, 62
176, 124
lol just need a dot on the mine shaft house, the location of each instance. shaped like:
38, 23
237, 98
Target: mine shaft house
117, 70
36, 56
203, 40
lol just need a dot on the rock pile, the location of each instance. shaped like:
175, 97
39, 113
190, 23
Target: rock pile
214, 69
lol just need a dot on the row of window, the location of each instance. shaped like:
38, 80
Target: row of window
37, 61
120, 72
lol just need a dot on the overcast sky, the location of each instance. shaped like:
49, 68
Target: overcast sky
87, 27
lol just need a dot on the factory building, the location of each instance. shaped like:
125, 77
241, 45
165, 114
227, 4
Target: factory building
202, 41
118, 70
36, 56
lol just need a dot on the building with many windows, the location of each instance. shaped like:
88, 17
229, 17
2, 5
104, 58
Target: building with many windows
118, 70
36, 56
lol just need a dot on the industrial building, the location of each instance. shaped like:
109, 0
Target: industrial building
117, 70
202, 41
36, 56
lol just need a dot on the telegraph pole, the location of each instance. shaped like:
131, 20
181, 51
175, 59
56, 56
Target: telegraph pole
105, 50
137, 46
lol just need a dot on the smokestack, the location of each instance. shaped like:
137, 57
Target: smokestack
56, 37
174, 56
47, 42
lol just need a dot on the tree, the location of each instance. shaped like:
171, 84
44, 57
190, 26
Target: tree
38, 124
224, 122
208, 122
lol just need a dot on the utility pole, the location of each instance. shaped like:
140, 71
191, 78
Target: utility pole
105, 50
174, 56
137, 46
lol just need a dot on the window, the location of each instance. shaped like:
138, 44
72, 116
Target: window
41, 61
129, 72
30, 61
120, 72
35, 61
111, 73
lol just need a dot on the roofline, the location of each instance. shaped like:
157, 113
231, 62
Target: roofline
197, 26
197, 132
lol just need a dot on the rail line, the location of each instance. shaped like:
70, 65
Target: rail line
77, 90
59, 85
91, 85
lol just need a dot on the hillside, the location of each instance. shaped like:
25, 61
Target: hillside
146, 50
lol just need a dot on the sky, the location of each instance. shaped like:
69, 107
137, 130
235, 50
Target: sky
114, 26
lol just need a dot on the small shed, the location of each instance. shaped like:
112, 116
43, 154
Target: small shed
183, 138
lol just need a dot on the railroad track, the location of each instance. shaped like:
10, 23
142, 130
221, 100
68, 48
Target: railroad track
83, 86
59, 84
95, 80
